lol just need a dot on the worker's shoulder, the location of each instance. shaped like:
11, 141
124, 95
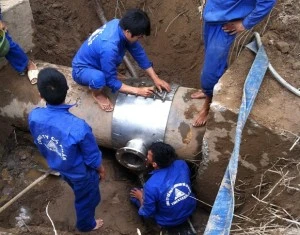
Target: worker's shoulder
110, 33
36, 112
77, 122
180, 162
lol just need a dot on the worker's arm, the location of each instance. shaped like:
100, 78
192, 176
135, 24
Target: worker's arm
101, 172
2, 24
92, 156
140, 56
261, 9
142, 91
109, 62
138, 194
148, 207
159, 83
109, 68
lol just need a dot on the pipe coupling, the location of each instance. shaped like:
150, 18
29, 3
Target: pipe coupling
134, 155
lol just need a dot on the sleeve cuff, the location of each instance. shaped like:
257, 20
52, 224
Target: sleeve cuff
115, 85
147, 66
246, 24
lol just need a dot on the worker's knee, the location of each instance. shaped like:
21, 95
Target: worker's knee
93, 78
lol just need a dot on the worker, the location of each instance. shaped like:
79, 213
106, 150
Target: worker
222, 21
166, 196
69, 146
95, 64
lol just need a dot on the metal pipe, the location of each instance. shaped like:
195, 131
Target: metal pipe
170, 120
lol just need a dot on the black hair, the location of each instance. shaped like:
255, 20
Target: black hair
163, 154
137, 22
52, 86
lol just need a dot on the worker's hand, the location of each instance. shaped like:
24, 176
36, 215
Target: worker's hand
101, 172
3, 25
234, 27
161, 84
145, 91
137, 193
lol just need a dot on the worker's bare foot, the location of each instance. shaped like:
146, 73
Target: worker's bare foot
103, 101
202, 116
32, 72
99, 224
198, 95
201, 119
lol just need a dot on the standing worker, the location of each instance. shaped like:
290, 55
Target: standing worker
222, 21
95, 64
69, 146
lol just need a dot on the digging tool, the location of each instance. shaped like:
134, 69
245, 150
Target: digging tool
48, 172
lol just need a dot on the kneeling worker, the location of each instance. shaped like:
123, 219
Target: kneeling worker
167, 195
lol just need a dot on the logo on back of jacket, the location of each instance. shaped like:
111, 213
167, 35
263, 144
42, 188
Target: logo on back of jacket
177, 193
96, 34
52, 144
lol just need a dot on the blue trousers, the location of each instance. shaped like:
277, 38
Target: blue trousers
94, 79
16, 56
217, 45
87, 197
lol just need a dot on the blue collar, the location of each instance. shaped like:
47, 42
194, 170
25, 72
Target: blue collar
60, 106
121, 34
155, 171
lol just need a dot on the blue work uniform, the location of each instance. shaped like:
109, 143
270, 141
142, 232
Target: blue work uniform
69, 146
167, 195
217, 43
15, 56
95, 64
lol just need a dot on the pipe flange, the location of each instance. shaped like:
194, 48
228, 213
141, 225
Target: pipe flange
133, 156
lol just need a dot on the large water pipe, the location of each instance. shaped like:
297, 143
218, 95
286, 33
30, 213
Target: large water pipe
134, 124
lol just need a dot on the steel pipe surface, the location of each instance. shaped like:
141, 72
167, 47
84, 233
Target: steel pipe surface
147, 119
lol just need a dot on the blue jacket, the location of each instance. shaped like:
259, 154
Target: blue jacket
166, 195
66, 141
104, 50
250, 11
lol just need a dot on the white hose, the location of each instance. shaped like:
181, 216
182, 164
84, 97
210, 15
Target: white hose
274, 72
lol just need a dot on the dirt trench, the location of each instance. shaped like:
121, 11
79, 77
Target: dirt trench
176, 49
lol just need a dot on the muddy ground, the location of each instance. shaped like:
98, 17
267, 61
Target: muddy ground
176, 48
21, 165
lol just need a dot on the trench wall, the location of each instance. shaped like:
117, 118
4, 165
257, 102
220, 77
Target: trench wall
268, 134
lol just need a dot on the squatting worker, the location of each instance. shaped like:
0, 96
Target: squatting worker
222, 21
69, 146
95, 64
166, 196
